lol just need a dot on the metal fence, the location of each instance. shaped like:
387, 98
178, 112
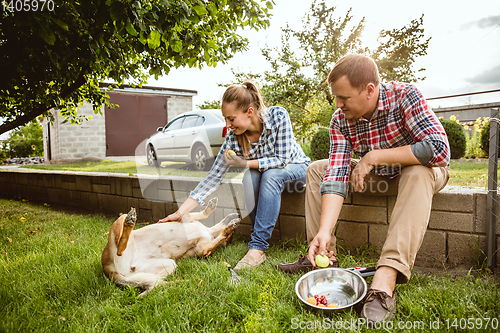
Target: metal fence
492, 199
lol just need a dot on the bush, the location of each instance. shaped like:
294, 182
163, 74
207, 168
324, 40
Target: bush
485, 140
320, 144
24, 141
456, 138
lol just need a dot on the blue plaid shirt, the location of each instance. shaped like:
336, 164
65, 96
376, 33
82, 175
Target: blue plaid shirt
276, 148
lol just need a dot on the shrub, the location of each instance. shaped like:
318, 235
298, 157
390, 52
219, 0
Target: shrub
456, 137
320, 144
306, 148
24, 141
485, 140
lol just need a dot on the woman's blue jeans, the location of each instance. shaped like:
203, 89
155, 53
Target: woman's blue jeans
262, 195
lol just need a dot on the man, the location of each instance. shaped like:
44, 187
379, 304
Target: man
404, 150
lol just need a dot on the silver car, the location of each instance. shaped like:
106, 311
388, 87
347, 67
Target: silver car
192, 137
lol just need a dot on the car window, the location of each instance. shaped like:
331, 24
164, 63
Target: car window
175, 124
190, 121
200, 121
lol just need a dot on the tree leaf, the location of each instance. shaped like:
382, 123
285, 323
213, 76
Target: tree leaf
46, 33
142, 39
200, 10
130, 29
176, 45
60, 23
154, 39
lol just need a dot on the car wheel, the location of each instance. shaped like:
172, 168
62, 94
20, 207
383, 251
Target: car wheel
201, 160
151, 155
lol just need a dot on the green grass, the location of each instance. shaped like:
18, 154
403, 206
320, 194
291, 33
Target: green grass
130, 167
471, 173
51, 281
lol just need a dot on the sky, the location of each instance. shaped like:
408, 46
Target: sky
463, 54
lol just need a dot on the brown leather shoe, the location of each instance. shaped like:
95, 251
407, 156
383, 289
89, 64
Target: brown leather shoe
378, 306
303, 265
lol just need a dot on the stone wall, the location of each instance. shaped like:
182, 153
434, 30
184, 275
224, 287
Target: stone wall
455, 236
178, 105
70, 142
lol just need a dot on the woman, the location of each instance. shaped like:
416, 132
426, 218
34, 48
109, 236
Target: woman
260, 139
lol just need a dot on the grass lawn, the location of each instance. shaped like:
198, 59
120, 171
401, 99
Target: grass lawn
51, 281
471, 173
131, 167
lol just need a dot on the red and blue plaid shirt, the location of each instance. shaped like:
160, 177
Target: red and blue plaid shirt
402, 118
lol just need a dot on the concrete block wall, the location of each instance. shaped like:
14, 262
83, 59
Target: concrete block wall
456, 233
71, 142
178, 105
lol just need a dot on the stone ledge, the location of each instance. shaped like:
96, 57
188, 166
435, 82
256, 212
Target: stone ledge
455, 236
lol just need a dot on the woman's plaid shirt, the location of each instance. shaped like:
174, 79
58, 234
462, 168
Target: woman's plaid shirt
276, 148
402, 118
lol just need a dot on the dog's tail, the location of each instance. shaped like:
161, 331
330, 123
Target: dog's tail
144, 281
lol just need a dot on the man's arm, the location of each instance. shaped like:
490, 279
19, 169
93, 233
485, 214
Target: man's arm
330, 210
400, 156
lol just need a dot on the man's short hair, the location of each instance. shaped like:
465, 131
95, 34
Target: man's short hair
359, 69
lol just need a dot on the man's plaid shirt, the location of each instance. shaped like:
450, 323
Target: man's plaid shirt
276, 148
402, 118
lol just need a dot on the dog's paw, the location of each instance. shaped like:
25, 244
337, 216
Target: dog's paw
233, 223
131, 217
212, 203
228, 219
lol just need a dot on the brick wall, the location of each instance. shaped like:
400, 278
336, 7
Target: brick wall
455, 236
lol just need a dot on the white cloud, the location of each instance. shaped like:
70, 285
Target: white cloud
488, 77
483, 23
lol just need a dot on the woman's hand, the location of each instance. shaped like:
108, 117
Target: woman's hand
174, 217
232, 159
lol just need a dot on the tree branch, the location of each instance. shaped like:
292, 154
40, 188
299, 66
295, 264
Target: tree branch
300, 107
41, 109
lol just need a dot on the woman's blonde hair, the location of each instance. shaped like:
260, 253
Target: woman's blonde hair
246, 95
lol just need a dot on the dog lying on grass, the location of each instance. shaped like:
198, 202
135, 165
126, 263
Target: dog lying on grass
144, 257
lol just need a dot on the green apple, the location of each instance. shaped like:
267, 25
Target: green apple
229, 156
322, 261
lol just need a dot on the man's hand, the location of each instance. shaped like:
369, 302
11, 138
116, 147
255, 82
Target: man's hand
359, 173
234, 159
174, 217
319, 245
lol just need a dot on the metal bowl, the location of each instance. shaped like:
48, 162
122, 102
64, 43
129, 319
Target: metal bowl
339, 286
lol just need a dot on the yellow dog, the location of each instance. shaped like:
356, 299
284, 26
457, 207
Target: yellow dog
144, 257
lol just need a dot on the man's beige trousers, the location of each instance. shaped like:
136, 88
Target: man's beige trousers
414, 187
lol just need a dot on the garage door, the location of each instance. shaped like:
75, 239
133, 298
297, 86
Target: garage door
135, 120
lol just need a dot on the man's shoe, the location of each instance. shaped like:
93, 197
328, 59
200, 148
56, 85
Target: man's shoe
303, 265
378, 306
